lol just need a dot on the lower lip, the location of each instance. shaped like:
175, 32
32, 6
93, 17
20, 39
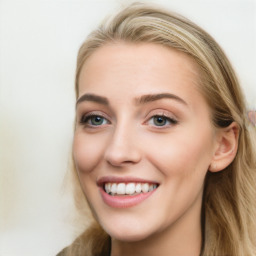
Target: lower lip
124, 201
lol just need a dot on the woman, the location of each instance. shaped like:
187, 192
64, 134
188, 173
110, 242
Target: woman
163, 150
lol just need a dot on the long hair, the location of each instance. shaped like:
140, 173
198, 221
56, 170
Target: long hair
229, 201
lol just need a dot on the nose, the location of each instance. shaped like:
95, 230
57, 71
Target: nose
123, 148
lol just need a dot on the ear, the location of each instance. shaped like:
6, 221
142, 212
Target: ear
226, 147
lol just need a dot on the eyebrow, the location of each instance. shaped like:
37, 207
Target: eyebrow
141, 100
153, 97
94, 98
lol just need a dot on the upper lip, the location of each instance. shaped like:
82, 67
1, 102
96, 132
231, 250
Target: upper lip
125, 179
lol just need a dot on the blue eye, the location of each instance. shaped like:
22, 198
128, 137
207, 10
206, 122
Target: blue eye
94, 120
159, 120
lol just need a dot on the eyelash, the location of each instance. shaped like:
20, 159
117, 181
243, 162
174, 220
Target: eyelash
87, 119
164, 118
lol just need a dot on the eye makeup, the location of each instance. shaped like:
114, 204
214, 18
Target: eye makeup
160, 119
94, 119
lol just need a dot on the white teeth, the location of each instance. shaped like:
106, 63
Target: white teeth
107, 187
113, 188
138, 188
151, 187
120, 189
129, 188
145, 187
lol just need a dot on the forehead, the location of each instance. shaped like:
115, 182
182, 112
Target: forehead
130, 69
149, 55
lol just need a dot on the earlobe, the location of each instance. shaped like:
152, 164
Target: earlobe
226, 147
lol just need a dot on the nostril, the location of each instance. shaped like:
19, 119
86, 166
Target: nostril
120, 163
122, 156
128, 162
122, 148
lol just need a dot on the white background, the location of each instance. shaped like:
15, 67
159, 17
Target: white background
39, 40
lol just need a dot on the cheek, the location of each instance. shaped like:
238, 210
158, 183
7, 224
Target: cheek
87, 151
182, 154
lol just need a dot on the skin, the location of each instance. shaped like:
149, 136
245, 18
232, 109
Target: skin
129, 143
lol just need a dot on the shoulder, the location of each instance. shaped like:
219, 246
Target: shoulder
93, 241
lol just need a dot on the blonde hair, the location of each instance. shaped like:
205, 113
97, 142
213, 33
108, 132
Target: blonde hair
228, 210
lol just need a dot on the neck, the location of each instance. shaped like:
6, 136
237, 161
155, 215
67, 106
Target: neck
182, 238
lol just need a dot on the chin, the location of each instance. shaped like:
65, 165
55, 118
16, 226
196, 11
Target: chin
128, 236
128, 233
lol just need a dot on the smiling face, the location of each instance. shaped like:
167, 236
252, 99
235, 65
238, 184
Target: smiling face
143, 140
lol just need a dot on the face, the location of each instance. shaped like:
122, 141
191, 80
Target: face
143, 140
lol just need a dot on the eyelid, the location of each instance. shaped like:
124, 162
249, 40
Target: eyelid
94, 113
163, 113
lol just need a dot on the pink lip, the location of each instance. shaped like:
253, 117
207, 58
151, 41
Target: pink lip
124, 201
114, 179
